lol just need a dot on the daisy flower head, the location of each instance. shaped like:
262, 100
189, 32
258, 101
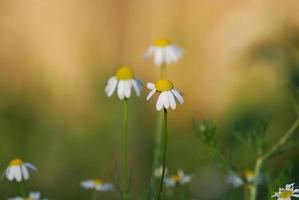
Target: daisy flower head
287, 192
32, 196
178, 179
168, 95
97, 184
19, 170
123, 82
158, 172
247, 177
163, 51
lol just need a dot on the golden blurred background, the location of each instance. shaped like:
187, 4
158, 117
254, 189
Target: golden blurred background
56, 56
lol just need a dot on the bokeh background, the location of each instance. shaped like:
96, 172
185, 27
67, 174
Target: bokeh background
241, 61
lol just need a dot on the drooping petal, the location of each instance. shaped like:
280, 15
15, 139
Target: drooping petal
171, 100
87, 184
24, 172
178, 96
165, 100
31, 166
159, 104
152, 92
18, 173
111, 86
137, 87
120, 90
127, 89
149, 53
158, 56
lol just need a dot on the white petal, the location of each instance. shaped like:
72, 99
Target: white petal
149, 53
31, 166
18, 173
34, 195
165, 100
178, 96
171, 100
87, 184
159, 104
120, 89
150, 86
107, 187
24, 172
127, 89
110, 88
296, 195
150, 94
137, 87
9, 173
158, 56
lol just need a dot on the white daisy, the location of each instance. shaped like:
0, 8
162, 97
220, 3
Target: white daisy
287, 193
168, 94
247, 177
179, 178
32, 196
97, 184
123, 81
18, 170
158, 172
164, 51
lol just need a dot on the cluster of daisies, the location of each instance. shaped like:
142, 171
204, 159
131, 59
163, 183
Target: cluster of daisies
163, 52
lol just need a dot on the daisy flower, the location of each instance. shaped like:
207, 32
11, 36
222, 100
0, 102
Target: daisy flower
97, 184
180, 178
247, 177
32, 196
163, 51
287, 192
123, 81
18, 170
168, 95
158, 172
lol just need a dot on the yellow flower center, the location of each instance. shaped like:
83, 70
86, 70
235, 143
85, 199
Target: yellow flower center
162, 42
16, 162
248, 174
164, 85
286, 194
124, 73
97, 181
176, 178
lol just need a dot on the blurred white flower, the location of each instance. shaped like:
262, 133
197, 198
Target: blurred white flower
168, 95
32, 196
97, 184
180, 178
163, 51
158, 172
247, 177
18, 170
287, 193
123, 81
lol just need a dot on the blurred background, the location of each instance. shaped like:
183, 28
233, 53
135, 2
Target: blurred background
241, 64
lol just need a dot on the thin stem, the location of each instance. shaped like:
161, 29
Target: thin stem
158, 143
260, 160
163, 72
22, 190
126, 168
164, 154
94, 195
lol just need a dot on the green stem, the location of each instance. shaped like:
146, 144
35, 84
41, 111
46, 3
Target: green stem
94, 195
126, 168
158, 143
164, 154
260, 160
23, 190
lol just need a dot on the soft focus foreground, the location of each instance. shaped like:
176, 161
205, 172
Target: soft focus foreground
240, 70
